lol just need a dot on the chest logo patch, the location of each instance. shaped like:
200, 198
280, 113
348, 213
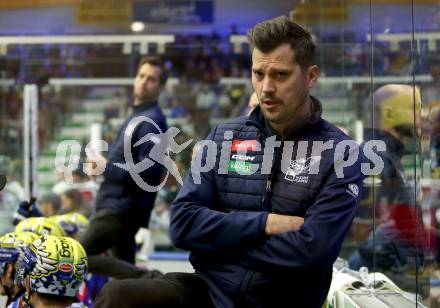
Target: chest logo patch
243, 157
243, 145
297, 169
239, 166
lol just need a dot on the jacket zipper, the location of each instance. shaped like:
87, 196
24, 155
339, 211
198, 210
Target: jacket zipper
266, 192
268, 189
268, 185
265, 199
275, 169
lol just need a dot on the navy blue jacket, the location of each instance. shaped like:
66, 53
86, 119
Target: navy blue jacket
222, 220
119, 193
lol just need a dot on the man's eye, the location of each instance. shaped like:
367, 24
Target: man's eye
281, 75
258, 73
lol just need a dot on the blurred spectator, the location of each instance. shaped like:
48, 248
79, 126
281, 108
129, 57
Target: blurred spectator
217, 70
431, 91
224, 100
205, 98
159, 227
50, 204
240, 100
398, 246
399, 64
111, 111
8, 205
81, 182
72, 201
184, 96
434, 121
431, 97
13, 174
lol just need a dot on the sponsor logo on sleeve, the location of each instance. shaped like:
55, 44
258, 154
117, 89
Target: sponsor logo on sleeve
353, 190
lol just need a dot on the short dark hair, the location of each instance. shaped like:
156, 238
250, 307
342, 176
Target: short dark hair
270, 34
53, 199
76, 197
155, 61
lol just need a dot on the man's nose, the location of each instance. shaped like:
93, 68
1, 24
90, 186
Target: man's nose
268, 86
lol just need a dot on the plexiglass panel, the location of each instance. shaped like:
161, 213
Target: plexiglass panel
11, 151
380, 81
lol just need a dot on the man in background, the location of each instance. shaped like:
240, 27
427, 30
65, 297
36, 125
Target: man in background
397, 246
122, 207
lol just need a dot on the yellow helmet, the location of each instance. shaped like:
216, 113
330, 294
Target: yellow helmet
15, 249
40, 226
60, 267
17, 239
73, 224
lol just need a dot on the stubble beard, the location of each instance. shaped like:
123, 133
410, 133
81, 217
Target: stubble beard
145, 98
285, 117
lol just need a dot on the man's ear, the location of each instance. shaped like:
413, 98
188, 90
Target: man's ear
312, 74
387, 112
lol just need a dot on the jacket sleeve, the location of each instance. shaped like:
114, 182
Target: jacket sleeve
197, 226
318, 242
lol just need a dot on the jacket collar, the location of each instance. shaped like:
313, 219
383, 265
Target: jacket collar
143, 107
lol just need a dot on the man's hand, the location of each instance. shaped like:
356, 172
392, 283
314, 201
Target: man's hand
277, 223
95, 163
